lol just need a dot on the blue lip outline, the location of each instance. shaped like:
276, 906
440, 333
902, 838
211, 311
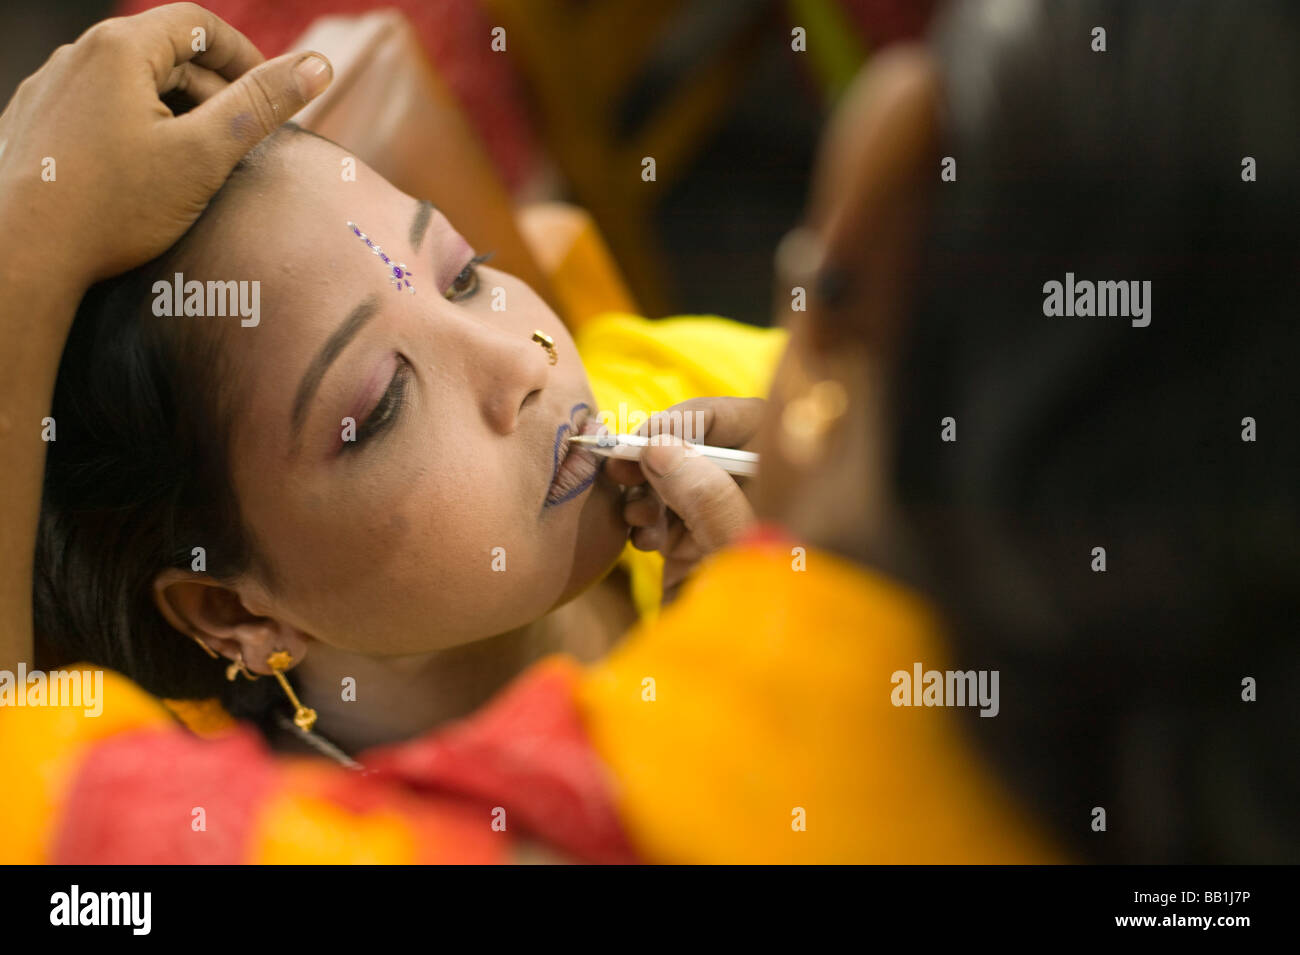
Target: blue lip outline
555, 466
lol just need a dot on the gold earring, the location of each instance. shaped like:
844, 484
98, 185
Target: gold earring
303, 717
806, 420
547, 342
206, 649
238, 667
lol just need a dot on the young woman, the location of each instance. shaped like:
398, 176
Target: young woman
174, 447
364, 467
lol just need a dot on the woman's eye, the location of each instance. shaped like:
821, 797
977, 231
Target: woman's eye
466, 283
387, 411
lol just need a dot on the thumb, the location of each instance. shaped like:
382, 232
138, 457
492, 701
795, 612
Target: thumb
226, 126
706, 498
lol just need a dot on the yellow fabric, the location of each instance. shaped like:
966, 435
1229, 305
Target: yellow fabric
301, 828
206, 718
771, 698
638, 366
41, 748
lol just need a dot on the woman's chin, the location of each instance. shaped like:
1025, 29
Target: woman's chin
601, 537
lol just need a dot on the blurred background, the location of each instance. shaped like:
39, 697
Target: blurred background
712, 89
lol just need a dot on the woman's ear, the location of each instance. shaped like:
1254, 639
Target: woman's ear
218, 617
876, 172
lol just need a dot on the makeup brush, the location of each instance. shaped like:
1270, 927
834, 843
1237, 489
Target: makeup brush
629, 447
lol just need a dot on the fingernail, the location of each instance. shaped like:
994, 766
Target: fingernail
662, 460
314, 74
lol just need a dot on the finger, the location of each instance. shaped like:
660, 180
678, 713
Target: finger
680, 543
647, 538
643, 511
655, 536
725, 422
196, 82
707, 499
675, 571
734, 422
183, 32
675, 574
225, 127
626, 473
683, 420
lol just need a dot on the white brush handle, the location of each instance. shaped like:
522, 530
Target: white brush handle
629, 447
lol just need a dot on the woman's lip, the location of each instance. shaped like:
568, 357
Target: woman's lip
574, 469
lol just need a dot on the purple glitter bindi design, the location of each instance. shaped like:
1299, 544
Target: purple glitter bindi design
399, 274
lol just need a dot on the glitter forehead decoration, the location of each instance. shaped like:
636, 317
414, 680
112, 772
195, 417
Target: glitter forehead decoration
399, 274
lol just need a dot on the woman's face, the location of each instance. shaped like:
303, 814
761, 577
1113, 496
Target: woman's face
876, 172
442, 520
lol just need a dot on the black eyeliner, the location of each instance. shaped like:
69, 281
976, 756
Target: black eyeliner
387, 410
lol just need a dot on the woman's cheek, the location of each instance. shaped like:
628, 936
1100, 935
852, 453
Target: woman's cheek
474, 577
511, 303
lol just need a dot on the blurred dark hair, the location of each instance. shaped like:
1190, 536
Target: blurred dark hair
139, 475
1119, 689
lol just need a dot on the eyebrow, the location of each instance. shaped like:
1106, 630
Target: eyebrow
356, 320
420, 224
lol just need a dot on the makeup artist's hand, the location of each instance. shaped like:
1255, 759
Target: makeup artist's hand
95, 171
98, 176
688, 507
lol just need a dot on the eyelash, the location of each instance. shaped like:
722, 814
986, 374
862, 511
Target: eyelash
387, 410
470, 271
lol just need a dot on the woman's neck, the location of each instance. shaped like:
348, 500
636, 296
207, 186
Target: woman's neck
397, 698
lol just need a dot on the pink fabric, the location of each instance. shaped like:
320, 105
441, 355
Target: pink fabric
132, 800
527, 752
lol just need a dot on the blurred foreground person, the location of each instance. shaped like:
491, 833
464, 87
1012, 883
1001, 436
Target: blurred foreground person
1048, 383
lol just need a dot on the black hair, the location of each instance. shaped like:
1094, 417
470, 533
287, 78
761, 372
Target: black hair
138, 476
1120, 689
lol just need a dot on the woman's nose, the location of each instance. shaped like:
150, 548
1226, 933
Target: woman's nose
509, 371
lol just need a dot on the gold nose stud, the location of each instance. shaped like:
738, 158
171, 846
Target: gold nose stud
547, 342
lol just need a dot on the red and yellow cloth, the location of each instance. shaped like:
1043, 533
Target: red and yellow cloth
131, 787
770, 735
727, 730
